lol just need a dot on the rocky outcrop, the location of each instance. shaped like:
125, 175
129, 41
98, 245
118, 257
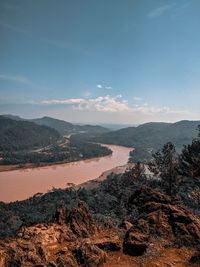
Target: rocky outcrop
59, 243
78, 219
160, 216
162, 229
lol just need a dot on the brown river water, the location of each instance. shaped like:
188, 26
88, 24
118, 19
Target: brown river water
23, 183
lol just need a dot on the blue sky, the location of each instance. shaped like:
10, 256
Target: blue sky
109, 61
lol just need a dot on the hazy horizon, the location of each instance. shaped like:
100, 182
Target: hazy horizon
100, 62
104, 124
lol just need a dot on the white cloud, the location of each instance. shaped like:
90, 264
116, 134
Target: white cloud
99, 86
116, 104
160, 110
67, 101
119, 96
103, 103
108, 87
159, 11
137, 98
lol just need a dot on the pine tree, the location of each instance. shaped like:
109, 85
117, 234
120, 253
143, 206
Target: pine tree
189, 160
164, 166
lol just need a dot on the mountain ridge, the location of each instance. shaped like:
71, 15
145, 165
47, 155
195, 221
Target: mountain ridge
62, 126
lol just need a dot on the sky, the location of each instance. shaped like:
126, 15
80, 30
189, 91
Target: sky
108, 61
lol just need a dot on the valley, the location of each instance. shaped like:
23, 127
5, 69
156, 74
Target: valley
72, 200
24, 144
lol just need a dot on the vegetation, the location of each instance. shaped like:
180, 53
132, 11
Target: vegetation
150, 137
173, 174
140, 154
109, 202
23, 135
56, 153
64, 127
164, 165
24, 142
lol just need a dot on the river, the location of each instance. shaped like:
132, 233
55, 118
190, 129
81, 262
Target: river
23, 183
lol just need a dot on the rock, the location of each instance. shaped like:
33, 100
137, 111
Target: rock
195, 259
66, 262
161, 216
87, 254
125, 225
113, 244
79, 220
39, 244
135, 244
51, 264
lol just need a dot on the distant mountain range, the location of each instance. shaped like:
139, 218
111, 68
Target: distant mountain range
153, 135
62, 126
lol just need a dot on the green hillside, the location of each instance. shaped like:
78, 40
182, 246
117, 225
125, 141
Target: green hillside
22, 135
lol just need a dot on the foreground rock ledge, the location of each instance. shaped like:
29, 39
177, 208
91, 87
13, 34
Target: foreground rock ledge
165, 232
160, 217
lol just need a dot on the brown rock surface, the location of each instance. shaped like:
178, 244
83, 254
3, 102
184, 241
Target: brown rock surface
109, 244
73, 239
54, 244
87, 254
161, 217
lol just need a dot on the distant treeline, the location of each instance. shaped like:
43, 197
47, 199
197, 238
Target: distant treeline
75, 151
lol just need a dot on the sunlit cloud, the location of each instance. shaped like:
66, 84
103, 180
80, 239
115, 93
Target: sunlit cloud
114, 104
137, 98
159, 11
104, 103
99, 86
67, 101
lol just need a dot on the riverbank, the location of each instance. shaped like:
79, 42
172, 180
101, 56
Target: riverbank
13, 167
4, 168
94, 183
22, 183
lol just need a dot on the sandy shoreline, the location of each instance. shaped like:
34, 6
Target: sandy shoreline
96, 182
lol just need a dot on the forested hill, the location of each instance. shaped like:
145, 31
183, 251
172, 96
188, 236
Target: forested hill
64, 127
22, 135
153, 135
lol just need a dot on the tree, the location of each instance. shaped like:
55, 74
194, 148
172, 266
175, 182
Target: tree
164, 165
136, 174
189, 160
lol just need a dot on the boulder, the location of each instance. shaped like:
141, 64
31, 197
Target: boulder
161, 216
78, 219
87, 254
